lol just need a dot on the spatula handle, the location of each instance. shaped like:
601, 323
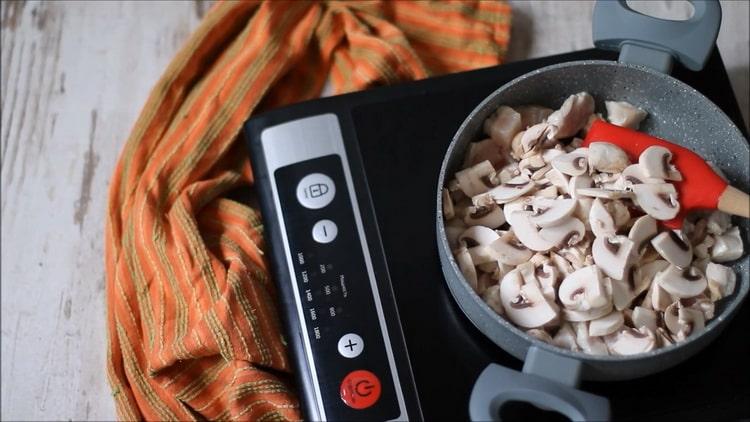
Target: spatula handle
735, 202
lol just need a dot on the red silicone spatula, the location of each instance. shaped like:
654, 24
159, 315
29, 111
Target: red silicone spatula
700, 188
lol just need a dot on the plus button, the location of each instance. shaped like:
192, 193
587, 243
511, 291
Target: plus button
350, 345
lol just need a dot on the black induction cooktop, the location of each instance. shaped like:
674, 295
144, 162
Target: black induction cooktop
402, 133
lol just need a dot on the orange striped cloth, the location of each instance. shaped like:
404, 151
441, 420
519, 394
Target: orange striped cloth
193, 325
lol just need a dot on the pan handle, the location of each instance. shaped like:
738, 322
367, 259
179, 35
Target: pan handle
654, 42
548, 381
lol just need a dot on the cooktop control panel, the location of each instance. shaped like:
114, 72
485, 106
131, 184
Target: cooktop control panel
333, 301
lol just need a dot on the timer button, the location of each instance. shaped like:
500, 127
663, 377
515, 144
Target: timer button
315, 191
324, 231
360, 389
350, 345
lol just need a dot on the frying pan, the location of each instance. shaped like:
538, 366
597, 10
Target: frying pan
677, 112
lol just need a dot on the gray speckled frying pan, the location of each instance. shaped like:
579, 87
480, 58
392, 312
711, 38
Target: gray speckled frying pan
676, 112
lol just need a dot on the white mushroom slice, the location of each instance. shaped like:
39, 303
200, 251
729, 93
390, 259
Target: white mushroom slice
516, 147
656, 298
607, 157
591, 345
700, 303
576, 256
561, 264
484, 281
508, 172
539, 334
619, 211
601, 223
655, 161
548, 212
622, 294
612, 254
621, 113
482, 255
682, 322
485, 215
503, 125
534, 136
580, 316
565, 234
508, 250
466, 265
603, 193
478, 235
664, 338
607, 324
559, 180
485, 150
453, 230
448, 211
548, 192
721, 280
550, 154
659, 200
634, 175
703, 249
728, 246
629, 341
491, 297
527, 232
643, 230
718, 222
524, 303
571, 164
571, 117
508, 191
548, 274
533, 162
643, 317
673, 248
649, 271
533, 114
566, 338
475, 179
681, 283
579, 182
583, 290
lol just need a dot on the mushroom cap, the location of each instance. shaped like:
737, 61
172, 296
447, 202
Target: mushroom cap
659, 200
607, 324
612, 254
583, 290
728, 246
524, 303
634, 175
565, 234
571, 164
506, 192
681, 283
490, 215
601, 223
526, 231
721, 280
508, 250
478, 235
643, 230
607, 157
655, 161
549, 212
534, 136
672, 247
629, 341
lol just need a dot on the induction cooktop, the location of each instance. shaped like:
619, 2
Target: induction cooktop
346, 187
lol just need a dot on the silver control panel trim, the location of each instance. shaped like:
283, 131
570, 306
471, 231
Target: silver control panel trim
300, 140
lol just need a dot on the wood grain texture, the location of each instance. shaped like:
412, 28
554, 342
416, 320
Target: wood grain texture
73, 77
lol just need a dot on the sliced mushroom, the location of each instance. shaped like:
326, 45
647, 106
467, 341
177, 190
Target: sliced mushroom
656, 298
622, 294
558, 179
621, 113
534, 137
681, 283
507, 173
508, 191
634, 175
503, 125
485, 150
659, 200
490, 215
718, 222
644, 229
466, 265
448, 211
579, 182
548, 212
607, 324
663, 337
548, 274
583, 290
539, 334
703, 249
601, 223
683, 322
643, 317
571, 164
516, 147
700, 303
548, 192
453, 230
721, 280
491, 297
532, 114
566, 338
673, 248
561, 264
475, 179
571, 116
508, 250
612, 254
526, 231
656, 161
728, 246
603, 193
565, 234
649, 271
524, 303
589, 344
629, 341
478, 235
607, 157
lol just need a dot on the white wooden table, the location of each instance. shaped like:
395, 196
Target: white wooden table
74, 77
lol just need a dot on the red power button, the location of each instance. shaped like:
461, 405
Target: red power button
360, 389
